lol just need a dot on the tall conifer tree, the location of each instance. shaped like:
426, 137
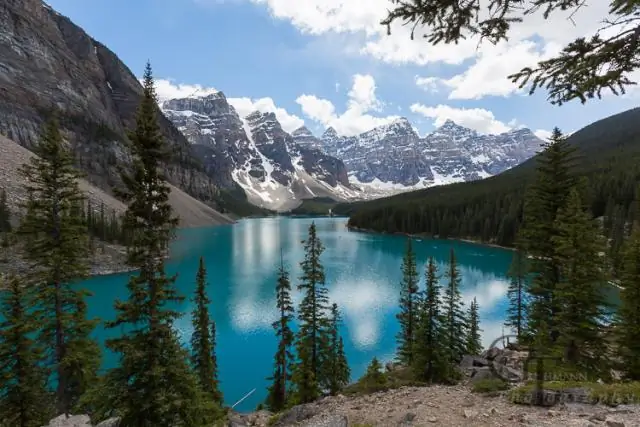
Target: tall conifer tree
579, 251
549, 193
517, 294
428, 363
56, 245
337, 369
409, 306
24, 399
474, 340
455, 321
284, 358
203, 338
154, 383
312, 339
628, 314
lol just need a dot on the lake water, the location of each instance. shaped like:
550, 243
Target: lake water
362, 271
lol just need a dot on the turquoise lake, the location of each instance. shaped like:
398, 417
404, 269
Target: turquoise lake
362, 271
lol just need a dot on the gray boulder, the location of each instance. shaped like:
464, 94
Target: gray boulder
70, 421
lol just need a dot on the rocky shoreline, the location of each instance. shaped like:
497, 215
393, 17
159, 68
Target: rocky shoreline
437, 405
107, 259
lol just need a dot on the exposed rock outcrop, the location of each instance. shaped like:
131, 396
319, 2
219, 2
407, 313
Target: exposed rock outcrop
47, 62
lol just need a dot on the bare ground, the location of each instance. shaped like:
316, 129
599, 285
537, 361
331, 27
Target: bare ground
454, 406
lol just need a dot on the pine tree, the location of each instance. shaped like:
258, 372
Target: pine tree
428, 362
24, 399
627, 325
312, 337
553, 183
579, 250
474, 340
374, 379
153, 384
56, 246
408, 307
202, 339
517, 294
284, 358
338, 372
455, 321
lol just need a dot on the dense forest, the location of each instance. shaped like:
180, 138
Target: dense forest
491, 210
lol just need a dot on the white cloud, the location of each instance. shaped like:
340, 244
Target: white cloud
480, 80
355, 120
167, 89
246, 106
543, 134
428, 84
479, 119
529, 41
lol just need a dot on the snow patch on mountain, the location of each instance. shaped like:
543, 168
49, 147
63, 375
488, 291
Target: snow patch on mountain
256, 154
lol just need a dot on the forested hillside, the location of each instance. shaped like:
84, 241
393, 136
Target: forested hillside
491, 210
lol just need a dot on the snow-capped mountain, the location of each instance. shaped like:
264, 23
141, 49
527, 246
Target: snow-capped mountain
256, 154
393, 157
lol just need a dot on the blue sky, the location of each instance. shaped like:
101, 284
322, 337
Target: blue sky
328, 62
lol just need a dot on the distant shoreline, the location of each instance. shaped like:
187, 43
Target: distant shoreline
428, 236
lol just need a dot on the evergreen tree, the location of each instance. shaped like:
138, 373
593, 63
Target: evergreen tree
408, 306
551, 189
579, 251
455, 321
428, 362
338, 372
153, 384
56, 246
24, 400
278, 391
203, 338
312, 338
628, 315
474, 340
517, 294
374, 379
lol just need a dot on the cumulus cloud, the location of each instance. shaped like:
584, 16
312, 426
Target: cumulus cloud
246, 106
478, 119
168, 89
542, 134
356, 119
530, 41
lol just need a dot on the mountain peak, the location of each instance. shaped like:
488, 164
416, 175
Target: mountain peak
302, 131
330, 132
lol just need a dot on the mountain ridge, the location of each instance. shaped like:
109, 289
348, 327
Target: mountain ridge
255, 153
490, 210
385, 160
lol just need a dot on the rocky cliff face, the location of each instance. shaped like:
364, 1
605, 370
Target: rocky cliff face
254, 152
394, 157
48, 63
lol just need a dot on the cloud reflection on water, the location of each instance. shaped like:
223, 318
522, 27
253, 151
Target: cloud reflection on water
367, 293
